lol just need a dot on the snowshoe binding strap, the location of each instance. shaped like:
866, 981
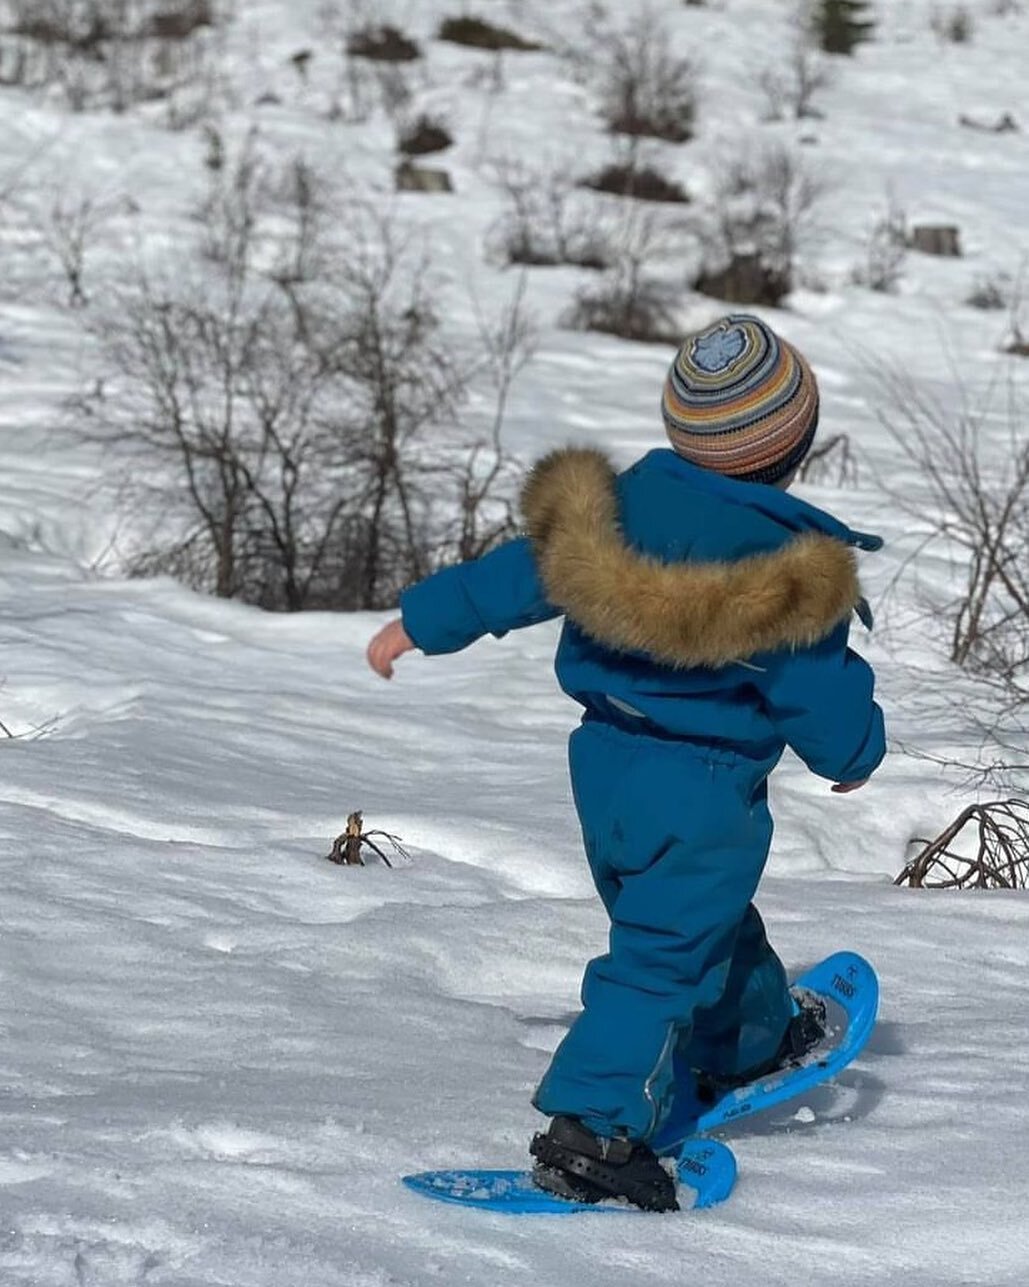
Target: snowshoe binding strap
574, 1162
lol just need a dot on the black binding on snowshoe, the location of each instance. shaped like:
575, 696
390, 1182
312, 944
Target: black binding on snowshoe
573, 1162
803, 1032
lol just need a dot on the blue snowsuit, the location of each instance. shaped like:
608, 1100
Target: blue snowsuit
670, 762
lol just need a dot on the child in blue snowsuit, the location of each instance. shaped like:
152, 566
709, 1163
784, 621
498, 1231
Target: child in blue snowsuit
706, 627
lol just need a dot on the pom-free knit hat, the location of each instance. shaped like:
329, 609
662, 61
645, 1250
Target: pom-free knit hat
741, 401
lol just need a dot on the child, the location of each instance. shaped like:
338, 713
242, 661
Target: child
706, 621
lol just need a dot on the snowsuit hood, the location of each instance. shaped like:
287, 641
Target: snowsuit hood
683, 614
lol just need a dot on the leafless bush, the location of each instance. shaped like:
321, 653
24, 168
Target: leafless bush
887, 249
830, 461
790, 87
978, 507
968, 503
634, 300
762, 209
375, 59
106, 53
301, 394
646, 88
989, 293
487, 476
543, 224
996, 853
69, 228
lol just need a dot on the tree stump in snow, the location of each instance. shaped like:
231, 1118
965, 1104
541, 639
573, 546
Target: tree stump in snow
420, 178
936, 239
346, 848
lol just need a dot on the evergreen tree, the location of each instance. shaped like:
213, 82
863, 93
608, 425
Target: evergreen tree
839, 25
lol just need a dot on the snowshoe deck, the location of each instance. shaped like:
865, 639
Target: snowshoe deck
704, 1166
849, 987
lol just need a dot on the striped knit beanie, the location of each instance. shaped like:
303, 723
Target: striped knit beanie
741, 401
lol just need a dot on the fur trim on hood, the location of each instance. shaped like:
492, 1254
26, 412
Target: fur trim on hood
683, 614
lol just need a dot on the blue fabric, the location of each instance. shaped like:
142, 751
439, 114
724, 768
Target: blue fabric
669, 774
677, 837
818, 700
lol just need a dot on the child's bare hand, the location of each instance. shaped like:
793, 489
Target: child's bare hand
841, 788
391, 642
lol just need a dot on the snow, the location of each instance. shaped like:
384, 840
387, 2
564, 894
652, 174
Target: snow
218, 1052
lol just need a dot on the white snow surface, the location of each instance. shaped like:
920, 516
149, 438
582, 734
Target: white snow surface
219, 1052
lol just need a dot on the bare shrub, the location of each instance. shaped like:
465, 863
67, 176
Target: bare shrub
543, 224
646, 88
302, 396
830, 461
790, 87
634, 300
995, 841
978, 507
69, 228
107, 53
969, 504
886, 252
989, 293
487, 477
762, 207
375, 61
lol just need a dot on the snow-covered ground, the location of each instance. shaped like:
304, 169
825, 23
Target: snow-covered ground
218, 1052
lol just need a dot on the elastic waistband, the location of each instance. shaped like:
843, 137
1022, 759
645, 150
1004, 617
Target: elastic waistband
630, 728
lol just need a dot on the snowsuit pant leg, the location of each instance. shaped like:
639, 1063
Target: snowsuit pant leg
677, 837
746, 1026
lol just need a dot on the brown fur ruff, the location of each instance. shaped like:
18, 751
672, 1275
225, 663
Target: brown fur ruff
682, 614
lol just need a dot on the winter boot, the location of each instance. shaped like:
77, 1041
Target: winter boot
803, 1032
573, 1162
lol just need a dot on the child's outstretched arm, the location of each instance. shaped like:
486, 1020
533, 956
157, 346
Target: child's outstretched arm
821, 701
452, 608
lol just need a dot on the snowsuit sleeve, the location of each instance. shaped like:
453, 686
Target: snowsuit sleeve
496, 593
820, 700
